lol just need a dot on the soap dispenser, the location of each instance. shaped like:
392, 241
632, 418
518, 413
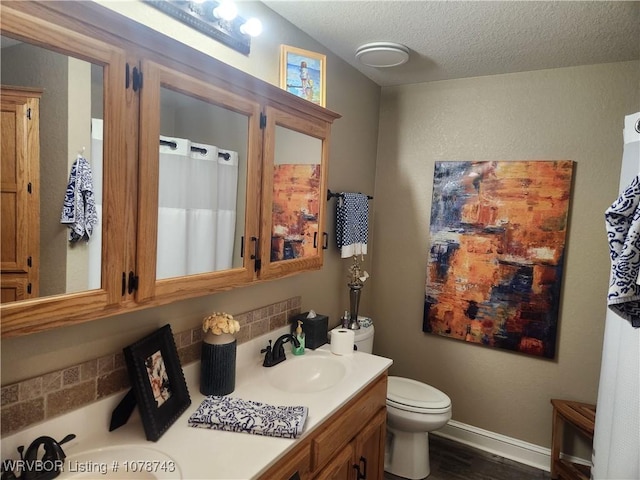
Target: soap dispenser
300, 337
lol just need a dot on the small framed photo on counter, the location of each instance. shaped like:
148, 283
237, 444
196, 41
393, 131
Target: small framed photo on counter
303, 73
157, 381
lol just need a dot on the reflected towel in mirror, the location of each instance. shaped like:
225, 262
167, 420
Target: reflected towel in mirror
79, 207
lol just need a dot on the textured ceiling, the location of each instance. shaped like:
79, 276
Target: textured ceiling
456, 39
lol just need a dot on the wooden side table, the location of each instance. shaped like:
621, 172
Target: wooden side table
582, 416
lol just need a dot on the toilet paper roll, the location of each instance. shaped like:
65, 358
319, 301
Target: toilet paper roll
342, 341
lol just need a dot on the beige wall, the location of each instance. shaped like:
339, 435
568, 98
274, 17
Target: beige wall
79, 140
571, 113
352, 167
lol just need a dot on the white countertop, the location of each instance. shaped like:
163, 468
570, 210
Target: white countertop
212, 454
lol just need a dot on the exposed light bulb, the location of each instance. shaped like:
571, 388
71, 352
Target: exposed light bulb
226, 10
252, 27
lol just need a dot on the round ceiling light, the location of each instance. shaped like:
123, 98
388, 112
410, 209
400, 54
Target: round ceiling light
382, 54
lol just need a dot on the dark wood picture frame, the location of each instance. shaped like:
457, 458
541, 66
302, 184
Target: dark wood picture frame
157, 381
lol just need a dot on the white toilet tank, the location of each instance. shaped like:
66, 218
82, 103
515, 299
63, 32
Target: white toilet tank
364, 339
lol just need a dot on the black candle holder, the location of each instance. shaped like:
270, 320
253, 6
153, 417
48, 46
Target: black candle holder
218, 368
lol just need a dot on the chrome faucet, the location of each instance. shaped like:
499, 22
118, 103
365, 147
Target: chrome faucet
276, 355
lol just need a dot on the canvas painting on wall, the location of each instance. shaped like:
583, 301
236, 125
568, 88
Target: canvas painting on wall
303, 73
497, 241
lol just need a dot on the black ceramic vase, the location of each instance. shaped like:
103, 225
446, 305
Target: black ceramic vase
218, 365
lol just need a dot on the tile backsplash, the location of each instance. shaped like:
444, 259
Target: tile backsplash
41, 398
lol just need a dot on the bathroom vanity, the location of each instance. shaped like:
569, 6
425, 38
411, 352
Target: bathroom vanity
344, 432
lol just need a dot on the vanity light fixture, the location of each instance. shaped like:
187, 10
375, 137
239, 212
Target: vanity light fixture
252, 27
217, 19
226, 10
382, 54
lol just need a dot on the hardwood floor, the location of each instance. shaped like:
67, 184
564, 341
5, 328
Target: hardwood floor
455, 461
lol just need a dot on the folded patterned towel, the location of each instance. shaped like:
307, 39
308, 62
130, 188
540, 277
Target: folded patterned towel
236, 415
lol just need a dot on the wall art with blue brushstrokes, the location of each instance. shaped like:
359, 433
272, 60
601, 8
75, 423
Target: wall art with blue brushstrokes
496, 253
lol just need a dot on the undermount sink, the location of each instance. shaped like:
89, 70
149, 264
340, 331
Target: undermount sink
122, 461
306, 374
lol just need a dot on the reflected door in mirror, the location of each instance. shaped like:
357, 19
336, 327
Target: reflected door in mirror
70, 113
20, 170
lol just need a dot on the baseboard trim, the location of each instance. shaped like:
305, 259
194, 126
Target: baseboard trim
498, 444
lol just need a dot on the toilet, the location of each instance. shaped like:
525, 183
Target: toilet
413, 410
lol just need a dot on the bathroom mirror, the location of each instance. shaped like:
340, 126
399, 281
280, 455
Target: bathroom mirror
297, 173
70, 124
202, 186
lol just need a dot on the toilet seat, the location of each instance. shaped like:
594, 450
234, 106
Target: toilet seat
413, 396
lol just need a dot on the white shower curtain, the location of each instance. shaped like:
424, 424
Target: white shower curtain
227, 191
616, 444
202, 209
172, 208
196, 193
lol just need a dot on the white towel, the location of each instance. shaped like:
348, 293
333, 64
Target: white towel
236, 415
79, 207
352, 224
623, 231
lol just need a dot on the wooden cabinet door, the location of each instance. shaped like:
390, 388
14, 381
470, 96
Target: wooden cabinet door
46, 36
196, 219
295, 466
363, 457
20, 201
369, 449
340, 467
294, 193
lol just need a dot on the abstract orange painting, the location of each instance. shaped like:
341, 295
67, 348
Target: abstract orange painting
496, 258
296, 197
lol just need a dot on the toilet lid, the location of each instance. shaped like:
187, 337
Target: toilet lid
404, 392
